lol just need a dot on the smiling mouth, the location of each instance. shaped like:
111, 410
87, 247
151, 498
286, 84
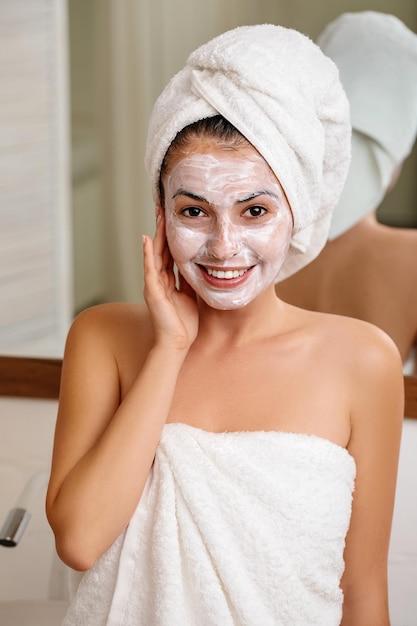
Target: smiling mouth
227, 274
232, 275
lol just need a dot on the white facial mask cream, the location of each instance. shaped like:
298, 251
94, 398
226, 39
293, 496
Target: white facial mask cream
228, 224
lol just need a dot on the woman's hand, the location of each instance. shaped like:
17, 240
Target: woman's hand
173, 311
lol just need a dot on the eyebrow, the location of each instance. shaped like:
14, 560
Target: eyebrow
252, 196
256, 194
193, 196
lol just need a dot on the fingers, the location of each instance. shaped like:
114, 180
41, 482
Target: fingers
184, 287
148, 257
157, 260
159, 242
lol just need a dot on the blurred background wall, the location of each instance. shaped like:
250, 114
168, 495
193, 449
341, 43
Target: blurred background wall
36, 285
122, 53
79, 79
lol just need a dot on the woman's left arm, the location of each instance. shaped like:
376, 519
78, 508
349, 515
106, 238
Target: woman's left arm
376, 424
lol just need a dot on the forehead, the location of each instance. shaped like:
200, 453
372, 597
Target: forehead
206, 162
203, 144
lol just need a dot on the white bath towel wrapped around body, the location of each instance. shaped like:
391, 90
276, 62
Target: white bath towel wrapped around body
236, 528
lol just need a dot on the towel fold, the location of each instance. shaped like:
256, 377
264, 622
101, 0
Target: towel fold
240, 529
377, 59
278, 89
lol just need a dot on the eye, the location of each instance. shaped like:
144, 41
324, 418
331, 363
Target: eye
255, 211
192, 211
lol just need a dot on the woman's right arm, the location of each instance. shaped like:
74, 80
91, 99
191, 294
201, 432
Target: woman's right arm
104, 449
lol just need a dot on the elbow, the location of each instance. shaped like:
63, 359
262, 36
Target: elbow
76, 549
73, 557
76, 552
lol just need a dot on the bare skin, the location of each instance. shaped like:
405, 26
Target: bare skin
368, 273
129, 369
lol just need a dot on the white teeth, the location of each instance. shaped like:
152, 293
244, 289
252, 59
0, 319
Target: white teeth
225, 274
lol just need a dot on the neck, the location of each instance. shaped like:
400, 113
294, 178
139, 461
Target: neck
256, 321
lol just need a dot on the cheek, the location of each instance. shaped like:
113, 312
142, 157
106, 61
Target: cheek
183, 243
272, 243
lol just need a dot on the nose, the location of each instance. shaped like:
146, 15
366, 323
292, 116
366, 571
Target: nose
225, 242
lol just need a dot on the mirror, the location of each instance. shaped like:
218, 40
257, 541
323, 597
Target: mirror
100, 229
109, 201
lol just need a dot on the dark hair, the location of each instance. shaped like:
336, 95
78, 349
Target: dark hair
217, 128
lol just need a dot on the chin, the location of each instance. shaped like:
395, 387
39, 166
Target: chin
231, 305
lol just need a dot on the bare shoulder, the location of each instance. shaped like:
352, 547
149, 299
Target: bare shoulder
369, 365
335, 332
113, 312
349, 350
114, 335
112, 323
407, 236
366, 343
400, 252
358, 364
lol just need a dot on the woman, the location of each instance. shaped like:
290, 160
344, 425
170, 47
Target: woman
201, 472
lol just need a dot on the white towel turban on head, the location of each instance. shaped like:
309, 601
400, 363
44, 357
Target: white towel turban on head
284, 95
377, 59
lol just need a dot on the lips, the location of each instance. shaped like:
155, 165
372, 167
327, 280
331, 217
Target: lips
225, 277
228, 274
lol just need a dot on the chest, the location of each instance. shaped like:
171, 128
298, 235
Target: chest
258, 391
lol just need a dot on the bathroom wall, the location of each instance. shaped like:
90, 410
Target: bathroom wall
30, 571
60, 254
35, 263
87, 219
123, 53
